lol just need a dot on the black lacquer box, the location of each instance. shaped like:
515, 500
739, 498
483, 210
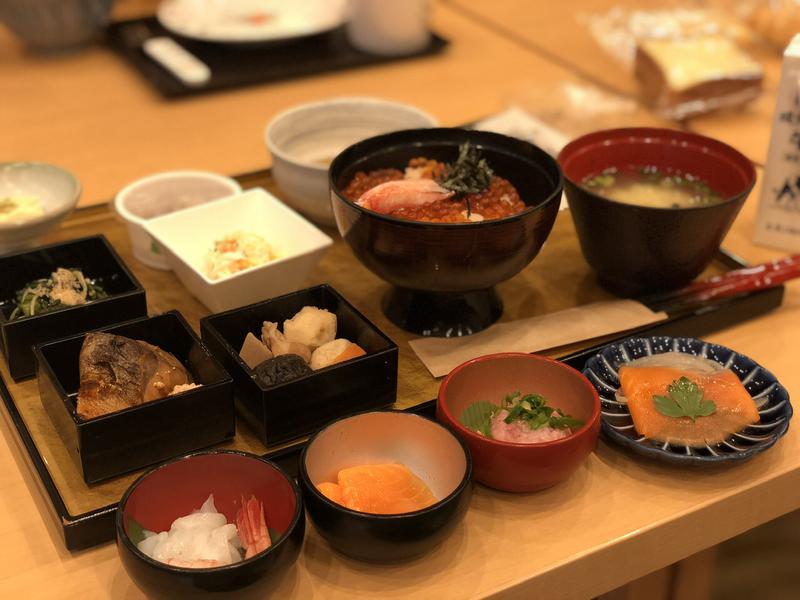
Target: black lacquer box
149, 433
296, 408
98, 261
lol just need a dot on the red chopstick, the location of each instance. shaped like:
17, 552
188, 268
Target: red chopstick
732, 283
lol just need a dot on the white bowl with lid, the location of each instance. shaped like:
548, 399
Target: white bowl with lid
305, 139
164, 193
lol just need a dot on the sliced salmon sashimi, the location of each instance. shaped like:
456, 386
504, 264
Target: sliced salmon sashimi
379, 489
735, 408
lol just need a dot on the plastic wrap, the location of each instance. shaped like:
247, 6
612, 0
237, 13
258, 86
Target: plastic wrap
686, 61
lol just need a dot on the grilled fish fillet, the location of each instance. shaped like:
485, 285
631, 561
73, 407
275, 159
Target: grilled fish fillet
117, 373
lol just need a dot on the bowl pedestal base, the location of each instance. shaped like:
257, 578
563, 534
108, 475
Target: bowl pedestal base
442, 314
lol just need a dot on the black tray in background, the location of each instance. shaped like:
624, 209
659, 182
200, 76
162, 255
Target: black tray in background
97, 527
235, 65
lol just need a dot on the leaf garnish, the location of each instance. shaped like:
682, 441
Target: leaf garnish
531, 409
535, 412
135, 531
684, 399
274, 535
478, 417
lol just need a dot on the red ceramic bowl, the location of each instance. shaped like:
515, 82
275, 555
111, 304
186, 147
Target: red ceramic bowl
514, 467
177, 488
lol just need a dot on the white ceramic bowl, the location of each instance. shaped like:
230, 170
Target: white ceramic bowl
170, 191
305, 139
188, 235
57, 188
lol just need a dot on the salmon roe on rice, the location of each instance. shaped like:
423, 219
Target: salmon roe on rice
497, 201
362, 182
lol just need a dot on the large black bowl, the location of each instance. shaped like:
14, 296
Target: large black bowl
176, 488
443, 273
640, 249
430, 450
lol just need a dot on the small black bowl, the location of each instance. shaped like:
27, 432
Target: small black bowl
152, 432
639, 249
177, 488
283, 412
444, 273
430, 450
98, 260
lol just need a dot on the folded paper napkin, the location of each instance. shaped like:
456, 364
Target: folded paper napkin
442, 355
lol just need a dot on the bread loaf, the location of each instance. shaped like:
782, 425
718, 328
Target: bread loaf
682, 77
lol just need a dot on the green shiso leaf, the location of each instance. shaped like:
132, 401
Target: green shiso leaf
135, 531
478, 417
274, 535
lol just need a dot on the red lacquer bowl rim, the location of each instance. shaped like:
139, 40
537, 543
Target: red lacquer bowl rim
590, 424
662, 136
299, 512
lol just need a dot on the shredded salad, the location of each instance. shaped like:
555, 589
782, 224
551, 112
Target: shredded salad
237, 252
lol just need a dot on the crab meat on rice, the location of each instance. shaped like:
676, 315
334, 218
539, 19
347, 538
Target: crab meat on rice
402, 193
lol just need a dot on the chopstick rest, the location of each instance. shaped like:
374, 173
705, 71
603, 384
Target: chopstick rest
177, 60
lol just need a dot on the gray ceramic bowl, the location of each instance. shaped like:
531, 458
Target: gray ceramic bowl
305, 139
55, 24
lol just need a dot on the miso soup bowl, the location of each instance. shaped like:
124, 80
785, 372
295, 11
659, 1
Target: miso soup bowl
637, 249
427, 448
514, 467
177, 488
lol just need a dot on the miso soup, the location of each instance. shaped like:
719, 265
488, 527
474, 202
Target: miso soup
653, 188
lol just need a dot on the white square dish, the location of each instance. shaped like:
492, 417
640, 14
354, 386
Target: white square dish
188, 235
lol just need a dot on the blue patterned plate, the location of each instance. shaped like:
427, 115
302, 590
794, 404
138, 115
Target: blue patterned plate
771, 398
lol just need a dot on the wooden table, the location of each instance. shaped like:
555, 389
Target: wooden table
616, 520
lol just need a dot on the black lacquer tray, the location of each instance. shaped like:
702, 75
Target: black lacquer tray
85, 530
236, 65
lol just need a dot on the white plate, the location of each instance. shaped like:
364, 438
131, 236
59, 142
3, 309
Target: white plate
249, 21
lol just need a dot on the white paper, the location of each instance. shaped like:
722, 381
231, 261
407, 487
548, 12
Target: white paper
442, 355
518, 123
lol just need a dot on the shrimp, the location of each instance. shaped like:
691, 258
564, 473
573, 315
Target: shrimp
403, 193
252, 527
